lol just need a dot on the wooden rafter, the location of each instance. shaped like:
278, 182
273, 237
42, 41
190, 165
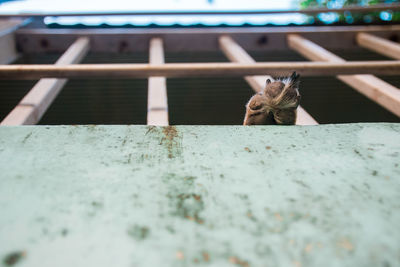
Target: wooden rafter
8, 51
109, 71
33, 40
379, 45
376, 89
157, 104
32, 107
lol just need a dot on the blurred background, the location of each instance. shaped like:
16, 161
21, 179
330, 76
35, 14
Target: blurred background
71, 6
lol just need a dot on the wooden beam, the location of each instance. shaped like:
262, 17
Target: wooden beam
32, 107
133, 40
8, 52
377, 90
157, 104
379, 45
236, 53
107, 71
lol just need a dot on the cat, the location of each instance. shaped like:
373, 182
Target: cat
276, 104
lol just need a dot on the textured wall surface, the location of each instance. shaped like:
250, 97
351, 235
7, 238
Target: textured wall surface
200, 196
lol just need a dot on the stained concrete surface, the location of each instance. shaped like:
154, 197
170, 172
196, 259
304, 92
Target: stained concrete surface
200, 195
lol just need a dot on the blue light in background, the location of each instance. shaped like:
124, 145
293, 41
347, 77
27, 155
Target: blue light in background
73, 6
386, 16
367, 18
328, 18
104, 6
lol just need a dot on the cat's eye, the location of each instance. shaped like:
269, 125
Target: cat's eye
256, 107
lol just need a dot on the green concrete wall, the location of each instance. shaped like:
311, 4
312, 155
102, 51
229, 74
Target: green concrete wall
200, 196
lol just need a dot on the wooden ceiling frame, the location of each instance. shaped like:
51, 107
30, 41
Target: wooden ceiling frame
158, 41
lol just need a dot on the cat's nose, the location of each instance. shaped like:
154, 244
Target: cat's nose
247, 120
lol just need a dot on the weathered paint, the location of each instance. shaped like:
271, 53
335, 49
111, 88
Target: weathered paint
200, 195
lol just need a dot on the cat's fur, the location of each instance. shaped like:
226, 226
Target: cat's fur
276, 104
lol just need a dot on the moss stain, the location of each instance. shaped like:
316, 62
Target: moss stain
27, 137
64, 232
189, 180
97, 204
138, 233
13, 258
189, 206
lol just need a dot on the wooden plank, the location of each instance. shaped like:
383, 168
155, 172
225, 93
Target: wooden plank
93, 32
194, 39
377, 90
380, 45
353, 8
157, 104
8, 52
236, 53
10, 25
107, 71
32, 107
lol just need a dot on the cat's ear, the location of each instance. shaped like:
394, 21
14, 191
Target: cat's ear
295, 79
268, 81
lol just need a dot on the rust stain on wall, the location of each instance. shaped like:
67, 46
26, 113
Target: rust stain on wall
239, 262
170, 133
